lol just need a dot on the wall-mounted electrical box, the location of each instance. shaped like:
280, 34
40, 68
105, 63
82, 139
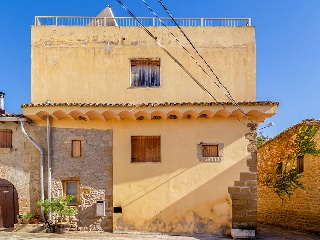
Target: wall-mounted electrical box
101, 208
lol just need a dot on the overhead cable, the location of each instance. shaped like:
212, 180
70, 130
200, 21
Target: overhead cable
228, 94
176, 60
164, 49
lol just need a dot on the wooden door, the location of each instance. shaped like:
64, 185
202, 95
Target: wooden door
7, 211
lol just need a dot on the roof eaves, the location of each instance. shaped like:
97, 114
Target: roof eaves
148, 104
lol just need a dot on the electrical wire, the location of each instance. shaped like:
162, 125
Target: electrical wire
179, 64
164, 49
228, 94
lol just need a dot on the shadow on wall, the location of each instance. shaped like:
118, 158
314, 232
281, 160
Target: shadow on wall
91, 222
205, 209
173, 163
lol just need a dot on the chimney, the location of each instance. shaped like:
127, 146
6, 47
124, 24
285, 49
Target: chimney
2, 103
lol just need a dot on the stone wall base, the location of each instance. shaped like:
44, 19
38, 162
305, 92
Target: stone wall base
243, 234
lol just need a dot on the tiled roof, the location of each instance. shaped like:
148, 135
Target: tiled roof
147, 104
310, 121
12, 115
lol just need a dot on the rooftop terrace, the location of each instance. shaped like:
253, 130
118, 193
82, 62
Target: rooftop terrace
129, 21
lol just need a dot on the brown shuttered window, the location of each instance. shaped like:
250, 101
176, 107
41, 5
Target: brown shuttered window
76, 148
300, 164
210, 151
145, 149
5, 138
279, 168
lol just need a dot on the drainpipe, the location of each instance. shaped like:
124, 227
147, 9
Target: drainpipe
41, 165
49, 161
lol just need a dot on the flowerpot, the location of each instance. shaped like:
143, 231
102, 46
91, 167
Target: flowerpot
62, 227
19, 220
35, 220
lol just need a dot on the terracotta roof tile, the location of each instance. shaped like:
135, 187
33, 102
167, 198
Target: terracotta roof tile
11, 115
310, 121
148, 104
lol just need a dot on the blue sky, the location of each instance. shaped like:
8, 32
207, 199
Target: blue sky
287, 41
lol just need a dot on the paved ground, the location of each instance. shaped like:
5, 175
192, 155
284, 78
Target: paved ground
264, 232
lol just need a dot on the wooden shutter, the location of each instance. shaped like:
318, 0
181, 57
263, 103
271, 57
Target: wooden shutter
5, 138
300, 164
145, 149
210, 151
145, 72
279, 168
76, 148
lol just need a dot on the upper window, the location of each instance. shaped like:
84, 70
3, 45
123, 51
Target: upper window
210, 152
145, 149
76, 148
145, 72
5, 138
300, 164
72, 187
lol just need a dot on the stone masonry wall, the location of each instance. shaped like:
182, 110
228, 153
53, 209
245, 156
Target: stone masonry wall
93, 169
302, 209
20, 165
244, 191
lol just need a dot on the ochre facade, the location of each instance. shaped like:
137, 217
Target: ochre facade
84, 73
92, 64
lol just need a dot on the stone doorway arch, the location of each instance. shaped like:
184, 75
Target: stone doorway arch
9, 207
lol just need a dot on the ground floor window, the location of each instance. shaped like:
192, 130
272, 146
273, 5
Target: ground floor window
72, 187
210, 152
145, 149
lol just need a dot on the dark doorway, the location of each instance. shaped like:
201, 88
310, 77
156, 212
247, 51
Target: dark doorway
8, 204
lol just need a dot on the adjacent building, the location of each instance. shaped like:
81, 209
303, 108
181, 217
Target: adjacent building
301, 210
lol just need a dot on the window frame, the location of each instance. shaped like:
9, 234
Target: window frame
7, 141
151, 60
77, 196
155, 159
203, 158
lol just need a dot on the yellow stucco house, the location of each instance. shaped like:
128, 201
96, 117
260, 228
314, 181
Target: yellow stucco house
134, 138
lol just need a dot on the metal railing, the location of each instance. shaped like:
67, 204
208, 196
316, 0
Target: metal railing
126, 21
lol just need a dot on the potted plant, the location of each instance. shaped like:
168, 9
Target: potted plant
19, 218
27, 218
36, 218
59, 207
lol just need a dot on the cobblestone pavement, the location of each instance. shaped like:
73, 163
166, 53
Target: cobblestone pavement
264, 233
